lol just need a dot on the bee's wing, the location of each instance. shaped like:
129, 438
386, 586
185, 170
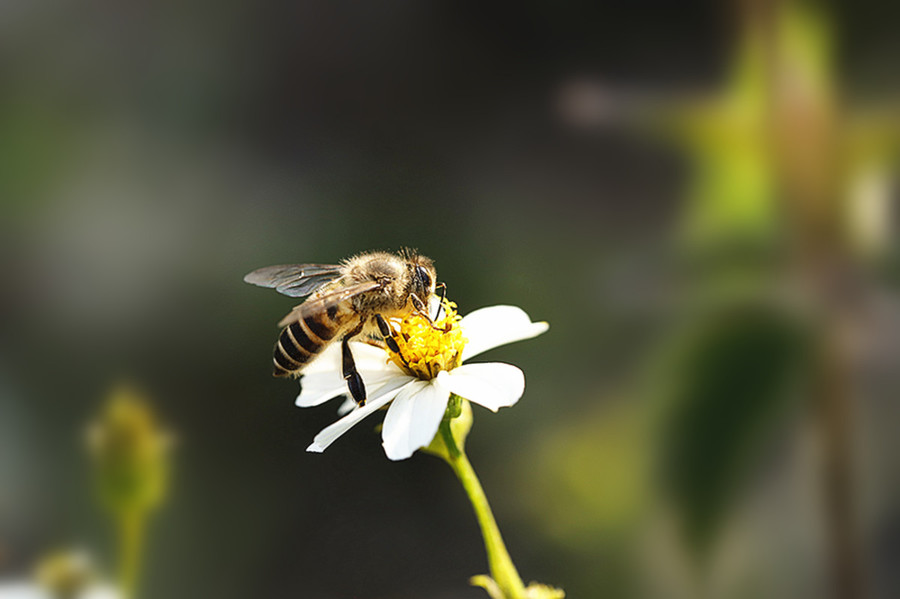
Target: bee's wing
319, 304
294, 280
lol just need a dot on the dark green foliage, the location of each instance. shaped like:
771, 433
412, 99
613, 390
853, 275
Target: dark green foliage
731, 377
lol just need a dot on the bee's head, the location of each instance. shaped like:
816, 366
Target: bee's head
422, 274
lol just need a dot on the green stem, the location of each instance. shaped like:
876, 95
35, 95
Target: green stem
131, 538
503, 571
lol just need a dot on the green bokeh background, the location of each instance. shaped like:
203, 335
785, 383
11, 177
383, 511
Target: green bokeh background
151, 154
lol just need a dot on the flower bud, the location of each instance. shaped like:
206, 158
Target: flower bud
130, 454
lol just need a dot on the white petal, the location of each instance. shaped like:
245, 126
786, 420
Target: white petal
413, 418
371, 359
319, 387
491, 327
366, 356
347, 405
493, 385
322, 379
328, 361
434, 307
330, 434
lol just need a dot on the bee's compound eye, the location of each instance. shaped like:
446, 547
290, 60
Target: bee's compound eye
423, 276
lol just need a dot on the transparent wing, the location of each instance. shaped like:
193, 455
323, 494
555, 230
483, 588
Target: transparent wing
294, 280
322, 303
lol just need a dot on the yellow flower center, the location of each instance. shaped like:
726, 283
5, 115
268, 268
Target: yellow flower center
428, 347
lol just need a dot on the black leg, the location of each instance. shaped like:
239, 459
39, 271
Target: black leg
443, 287
387, 333
354, 381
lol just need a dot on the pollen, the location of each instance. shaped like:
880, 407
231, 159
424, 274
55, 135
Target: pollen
429, 346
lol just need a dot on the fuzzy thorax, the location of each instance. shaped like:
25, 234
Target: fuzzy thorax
428, 347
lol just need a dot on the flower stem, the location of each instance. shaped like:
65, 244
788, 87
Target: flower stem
503, 571
131, 537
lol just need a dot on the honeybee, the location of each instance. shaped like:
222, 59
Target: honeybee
347, 299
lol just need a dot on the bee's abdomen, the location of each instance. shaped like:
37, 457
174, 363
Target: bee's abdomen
303, 340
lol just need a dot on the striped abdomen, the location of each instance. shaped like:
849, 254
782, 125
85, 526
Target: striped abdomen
304, 339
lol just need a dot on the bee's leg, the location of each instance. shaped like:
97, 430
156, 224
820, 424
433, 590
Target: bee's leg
387, 333
443, 287
389, 337
419, 307
354, 380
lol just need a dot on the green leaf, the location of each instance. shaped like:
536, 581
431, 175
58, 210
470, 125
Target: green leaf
730, 378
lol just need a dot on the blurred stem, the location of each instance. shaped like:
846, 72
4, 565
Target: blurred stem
836, 419
804, 128
503, 571
828, 270
131, 538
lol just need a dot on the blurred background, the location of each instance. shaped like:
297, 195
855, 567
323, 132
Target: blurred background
697, 197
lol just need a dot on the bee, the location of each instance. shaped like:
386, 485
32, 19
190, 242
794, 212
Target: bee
354, 297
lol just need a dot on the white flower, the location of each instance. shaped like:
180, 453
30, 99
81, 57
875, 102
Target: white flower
418, 382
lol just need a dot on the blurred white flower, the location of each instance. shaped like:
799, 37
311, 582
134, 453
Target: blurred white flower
31, 590
418, 381
60, 575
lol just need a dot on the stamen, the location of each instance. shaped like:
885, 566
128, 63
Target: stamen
426, 347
